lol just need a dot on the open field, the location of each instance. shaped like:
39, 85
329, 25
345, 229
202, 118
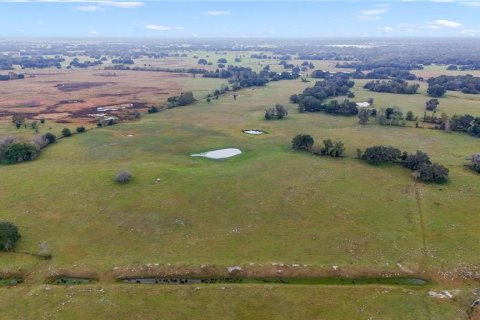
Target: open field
223, 302
273, 211
74, 95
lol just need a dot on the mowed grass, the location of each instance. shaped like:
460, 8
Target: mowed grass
269, 204
223, 302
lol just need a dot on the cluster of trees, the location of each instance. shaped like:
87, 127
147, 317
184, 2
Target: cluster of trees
312, 98
474, 162
364, 66
13, 150
123, 61
9, 235
277, 112
465, 123
305, 142
242, 77
392, 86
391, 116
85, 64
11, 76
466, 84
419, 162
385, 73
184, 99
330, 148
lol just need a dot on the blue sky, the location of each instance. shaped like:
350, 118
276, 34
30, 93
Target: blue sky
270, 19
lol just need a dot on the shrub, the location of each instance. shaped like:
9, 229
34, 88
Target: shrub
66, 132
9, 235
381, 154
123, 176
6, 142
330, 148
81, 129
433, 173
475, 162
410, 116
302, 142
50, 137
153, 109
19, 152
416, 161
40, 141
436, 90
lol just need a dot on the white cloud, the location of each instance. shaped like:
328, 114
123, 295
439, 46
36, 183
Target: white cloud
157, 27
88, 8
373, 12
368, 18
386, 29
107, 3
216, 13
93, 32
475, 4
160, 27
446, 23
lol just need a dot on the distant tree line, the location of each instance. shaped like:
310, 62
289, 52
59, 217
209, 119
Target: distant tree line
385, 73
392, 86
466, 84
312, 98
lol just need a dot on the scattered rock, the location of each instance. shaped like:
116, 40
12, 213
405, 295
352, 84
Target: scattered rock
440, 295
234, 268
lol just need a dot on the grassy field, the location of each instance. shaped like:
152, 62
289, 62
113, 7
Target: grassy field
223, 302
267, 206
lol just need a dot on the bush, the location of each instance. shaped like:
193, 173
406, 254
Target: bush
475, 162
9, 235
410, 116
153, 109
381, 154
81, 129
19, 152
123, 176
302, 142
433, 173
51, 138
66, 132
416, 161
330, 148
6, 142
436, 90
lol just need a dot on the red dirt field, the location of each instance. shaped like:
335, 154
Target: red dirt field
74, 95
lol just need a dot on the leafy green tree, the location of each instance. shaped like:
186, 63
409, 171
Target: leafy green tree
19, 152
123, 176
432, 104
186, 98
416, 161
381, 154
51, 138
363, 116
433, 173
9, 235
66, 132
332, 148
436, 90
302, 142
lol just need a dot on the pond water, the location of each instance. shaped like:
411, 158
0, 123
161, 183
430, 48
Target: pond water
298, 281
73, 280
219, 154
254, 132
